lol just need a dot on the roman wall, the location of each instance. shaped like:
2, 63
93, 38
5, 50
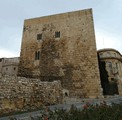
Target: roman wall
62, 47
19, 94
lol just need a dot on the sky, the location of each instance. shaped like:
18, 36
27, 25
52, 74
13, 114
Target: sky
107, 20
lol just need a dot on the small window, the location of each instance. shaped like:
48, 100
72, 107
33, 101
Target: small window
115, 54
110, 65
116, 66
66, 94
14, 68
6, 69
39, 36
108, 54
112, 79
101, 54
37, 55
57, 34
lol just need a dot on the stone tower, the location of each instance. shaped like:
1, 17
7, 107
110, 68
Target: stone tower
111, 61
62, 47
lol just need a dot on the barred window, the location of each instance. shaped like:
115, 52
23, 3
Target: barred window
57, 34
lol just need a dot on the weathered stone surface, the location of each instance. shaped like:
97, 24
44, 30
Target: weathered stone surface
18, 94
111, 60
71, 57
9, 66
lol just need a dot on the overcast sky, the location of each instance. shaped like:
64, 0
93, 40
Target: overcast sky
107, 20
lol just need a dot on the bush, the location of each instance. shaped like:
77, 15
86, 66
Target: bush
89, 112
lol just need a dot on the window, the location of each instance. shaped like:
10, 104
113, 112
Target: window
14, 68
66, 94
110, 65
116, 66
115, 54
101, 54
57, 34
39, 36
108, 54
37, 55
112, 79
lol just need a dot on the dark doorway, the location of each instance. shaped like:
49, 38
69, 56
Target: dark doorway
113, 88
109, 88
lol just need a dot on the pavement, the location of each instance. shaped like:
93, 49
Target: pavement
67, 106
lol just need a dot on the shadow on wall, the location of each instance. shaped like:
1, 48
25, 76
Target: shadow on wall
109, 88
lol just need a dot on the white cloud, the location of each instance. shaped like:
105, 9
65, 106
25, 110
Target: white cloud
5, 53
104, 41
107, 40
107, 20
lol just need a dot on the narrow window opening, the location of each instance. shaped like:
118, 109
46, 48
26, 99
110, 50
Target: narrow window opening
39, 36
57, 34
66, 94
116, 66
110, 65
37, 55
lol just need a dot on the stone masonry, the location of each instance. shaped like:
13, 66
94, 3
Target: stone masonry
112, 60
22, 94
9, 66
62, 47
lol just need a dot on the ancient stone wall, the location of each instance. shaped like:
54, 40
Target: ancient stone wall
113, 65
9, 66
66, 43
22, 94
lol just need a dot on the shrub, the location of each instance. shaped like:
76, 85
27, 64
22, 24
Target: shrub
89, 112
